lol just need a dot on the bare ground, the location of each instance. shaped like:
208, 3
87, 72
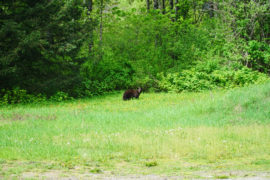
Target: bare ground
74, 175
198, 175
39, 170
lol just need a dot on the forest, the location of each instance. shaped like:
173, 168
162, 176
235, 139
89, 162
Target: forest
82, 48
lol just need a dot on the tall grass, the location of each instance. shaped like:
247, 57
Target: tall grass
222, 129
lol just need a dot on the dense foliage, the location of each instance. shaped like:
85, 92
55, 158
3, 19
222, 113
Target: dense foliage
40, 45
61, 49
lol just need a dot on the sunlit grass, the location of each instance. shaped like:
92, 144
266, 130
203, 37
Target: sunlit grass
159, 133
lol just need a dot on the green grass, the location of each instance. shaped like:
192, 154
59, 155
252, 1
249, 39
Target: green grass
157, 134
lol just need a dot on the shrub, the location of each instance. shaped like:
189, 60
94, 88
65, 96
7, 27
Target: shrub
15, 96
193, 80
259, 56
105, 75
60, 96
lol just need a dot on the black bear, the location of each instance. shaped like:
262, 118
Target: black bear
132, 93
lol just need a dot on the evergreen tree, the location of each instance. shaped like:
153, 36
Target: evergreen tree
40, 42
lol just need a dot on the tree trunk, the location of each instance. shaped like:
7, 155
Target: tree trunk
155, 4
101, 28
163, 7
171, 4
89, 11
148, 5
90, 6
176, 9
101, 21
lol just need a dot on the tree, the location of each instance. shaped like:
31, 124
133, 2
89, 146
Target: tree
148, 5
100, 27
171, 4
176, 9
156, 4
89, 13
40, 44
163, 7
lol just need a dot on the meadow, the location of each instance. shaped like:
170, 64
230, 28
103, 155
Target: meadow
161, 133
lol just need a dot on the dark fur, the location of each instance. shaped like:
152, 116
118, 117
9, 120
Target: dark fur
132, 93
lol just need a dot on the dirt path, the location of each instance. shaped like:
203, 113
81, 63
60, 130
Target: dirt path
41, 170
237, 175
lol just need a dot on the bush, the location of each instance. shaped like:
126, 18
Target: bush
193, 80
259, 56
16, 96
60, 96
19, 96
108, 74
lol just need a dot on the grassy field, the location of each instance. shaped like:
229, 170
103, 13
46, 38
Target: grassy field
162, 134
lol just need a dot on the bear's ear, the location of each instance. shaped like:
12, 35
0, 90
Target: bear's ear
139, 90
